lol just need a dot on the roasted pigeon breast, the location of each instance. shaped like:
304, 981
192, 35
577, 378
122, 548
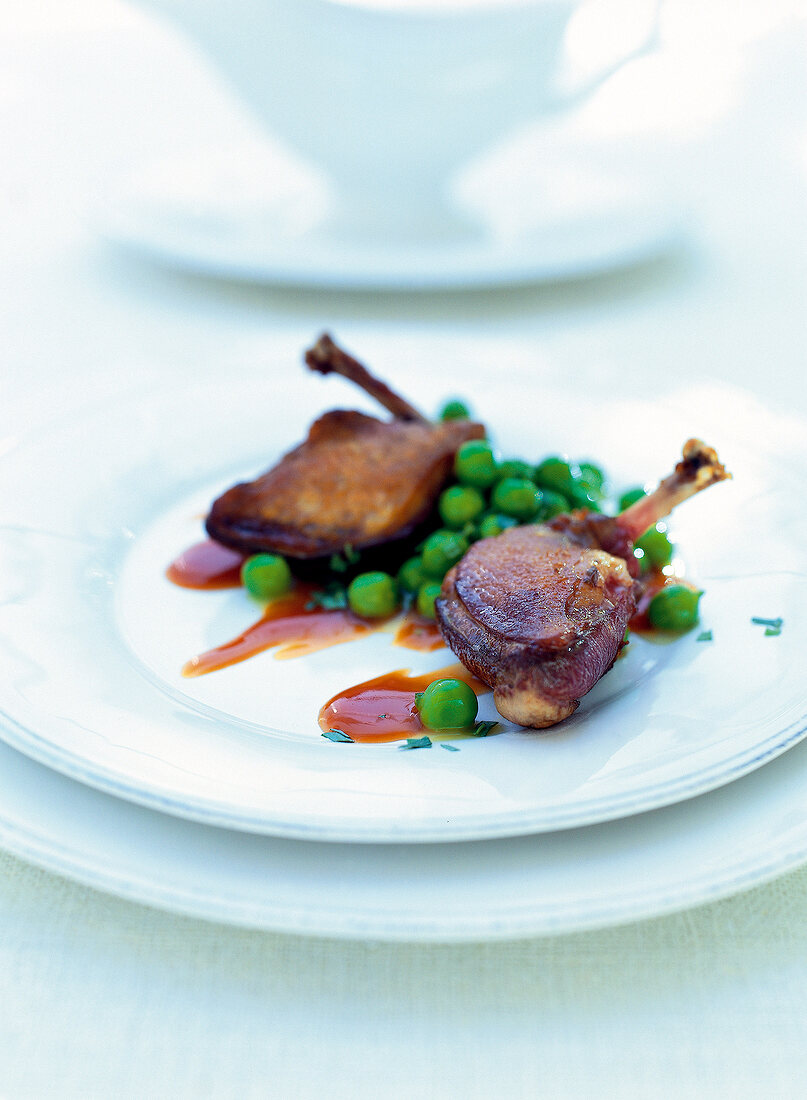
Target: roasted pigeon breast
537, 617
539, 612
355, 481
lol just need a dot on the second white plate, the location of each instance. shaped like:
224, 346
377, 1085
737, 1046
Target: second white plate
234, 214
93, 637
645, 866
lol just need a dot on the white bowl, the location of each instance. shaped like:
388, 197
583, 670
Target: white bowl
388, 97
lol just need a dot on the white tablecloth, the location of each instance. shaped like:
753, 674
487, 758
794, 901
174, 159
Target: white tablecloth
100, 997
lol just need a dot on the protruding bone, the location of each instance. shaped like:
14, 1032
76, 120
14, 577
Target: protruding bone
328, 358
698, 469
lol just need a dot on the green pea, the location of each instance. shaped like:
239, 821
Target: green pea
581, 496
675, 607
475, 465
630, 497
553, 504
517, 497
514, 467
373, 595
593, 478
555, 473
427, 594
455, 410
266, 576
494, 523
411, 575
567, 478
656, 548
460, 504
448, 705
440, 551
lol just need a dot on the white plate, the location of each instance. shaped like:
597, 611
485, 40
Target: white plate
228, 213
660, 862
92, 637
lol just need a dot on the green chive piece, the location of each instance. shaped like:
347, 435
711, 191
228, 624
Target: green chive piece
482, 729
448, 748
417, 743
337, 735
331, 598
704, 636
773, 624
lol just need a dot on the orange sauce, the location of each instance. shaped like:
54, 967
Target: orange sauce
288, 622
207, 565
384, 709
418, 632
291, 622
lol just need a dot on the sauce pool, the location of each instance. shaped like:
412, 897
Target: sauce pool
384, 709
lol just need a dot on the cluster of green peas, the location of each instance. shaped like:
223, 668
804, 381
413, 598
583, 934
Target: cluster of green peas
486, 498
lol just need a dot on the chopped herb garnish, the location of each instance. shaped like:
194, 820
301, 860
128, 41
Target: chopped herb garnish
331, 598
337, 735
449, 748
482, 729
383, 716
417, 743
340, 563
773, 626
704, 636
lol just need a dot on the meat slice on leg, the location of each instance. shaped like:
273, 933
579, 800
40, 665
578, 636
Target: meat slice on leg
539, 612
538, 618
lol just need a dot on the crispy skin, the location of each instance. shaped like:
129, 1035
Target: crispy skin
355, 481
538, 617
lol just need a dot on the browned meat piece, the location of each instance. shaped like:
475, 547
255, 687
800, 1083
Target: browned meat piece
539, 612
355, 481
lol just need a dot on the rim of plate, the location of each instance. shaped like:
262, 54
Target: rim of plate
428, 830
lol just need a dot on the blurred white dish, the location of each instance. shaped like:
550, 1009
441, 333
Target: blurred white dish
711, 847
390, 99
92, 636
240, 213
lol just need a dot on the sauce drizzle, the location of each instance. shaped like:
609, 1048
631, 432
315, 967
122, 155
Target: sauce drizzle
293, 623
